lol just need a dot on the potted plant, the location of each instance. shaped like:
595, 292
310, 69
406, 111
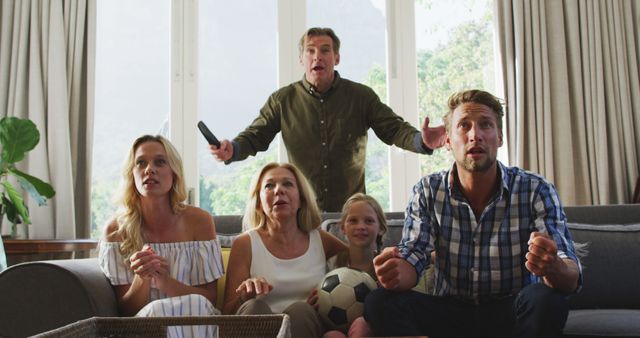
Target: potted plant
17, 137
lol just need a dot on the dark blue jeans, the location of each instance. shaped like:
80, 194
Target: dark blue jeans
537, 311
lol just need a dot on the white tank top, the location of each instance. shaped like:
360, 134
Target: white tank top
292, 279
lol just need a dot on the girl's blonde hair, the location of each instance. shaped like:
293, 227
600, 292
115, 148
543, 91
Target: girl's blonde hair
360, 197
308, 214
129, 219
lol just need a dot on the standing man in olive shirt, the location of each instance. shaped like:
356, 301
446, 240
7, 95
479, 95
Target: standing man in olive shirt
324, 121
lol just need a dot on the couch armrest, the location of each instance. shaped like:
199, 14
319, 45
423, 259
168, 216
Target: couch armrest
40, 296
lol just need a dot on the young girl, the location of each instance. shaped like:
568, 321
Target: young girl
363, 223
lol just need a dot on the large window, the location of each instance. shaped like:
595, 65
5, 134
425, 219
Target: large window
133, 90
236, 74
163, 65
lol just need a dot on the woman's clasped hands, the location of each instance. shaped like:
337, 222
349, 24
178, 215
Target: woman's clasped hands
147, 264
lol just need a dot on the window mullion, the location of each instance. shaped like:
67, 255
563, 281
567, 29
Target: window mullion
184, 94
404, 167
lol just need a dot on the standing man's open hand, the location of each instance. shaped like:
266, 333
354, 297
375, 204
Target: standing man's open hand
435, 137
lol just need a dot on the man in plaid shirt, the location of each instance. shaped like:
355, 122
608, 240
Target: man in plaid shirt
504, 258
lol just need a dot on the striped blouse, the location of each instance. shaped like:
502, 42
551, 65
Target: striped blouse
192, 263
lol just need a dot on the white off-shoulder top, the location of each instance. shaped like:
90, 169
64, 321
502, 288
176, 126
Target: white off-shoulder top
192, 263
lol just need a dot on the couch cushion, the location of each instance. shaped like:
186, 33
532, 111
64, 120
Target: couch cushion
228, 224
222, 280
603, 323
611, 268
228, 227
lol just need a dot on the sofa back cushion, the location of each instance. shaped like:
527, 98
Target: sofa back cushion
611, 268
603, 214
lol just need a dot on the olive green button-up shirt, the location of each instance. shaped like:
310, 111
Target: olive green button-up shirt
326, 134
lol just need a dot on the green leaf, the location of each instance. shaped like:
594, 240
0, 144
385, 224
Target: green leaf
26, 185
38, 188
12, 213
17, 201
17, 136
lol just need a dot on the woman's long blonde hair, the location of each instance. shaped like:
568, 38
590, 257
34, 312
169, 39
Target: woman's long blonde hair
308, 214
129, 219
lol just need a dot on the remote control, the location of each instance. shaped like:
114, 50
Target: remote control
208, 134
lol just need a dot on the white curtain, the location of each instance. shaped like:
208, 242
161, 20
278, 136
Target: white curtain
46, 75
571, 83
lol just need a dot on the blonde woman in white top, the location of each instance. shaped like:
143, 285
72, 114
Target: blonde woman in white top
161, 255
274, 266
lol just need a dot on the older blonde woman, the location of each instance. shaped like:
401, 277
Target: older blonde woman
274, 266
161, 255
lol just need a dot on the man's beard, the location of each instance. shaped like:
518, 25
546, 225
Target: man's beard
477, 166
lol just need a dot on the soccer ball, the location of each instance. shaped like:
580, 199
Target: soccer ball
341, 296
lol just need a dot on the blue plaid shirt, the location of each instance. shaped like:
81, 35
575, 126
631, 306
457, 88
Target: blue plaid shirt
485, 256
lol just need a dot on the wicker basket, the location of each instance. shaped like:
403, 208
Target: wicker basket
253, 326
